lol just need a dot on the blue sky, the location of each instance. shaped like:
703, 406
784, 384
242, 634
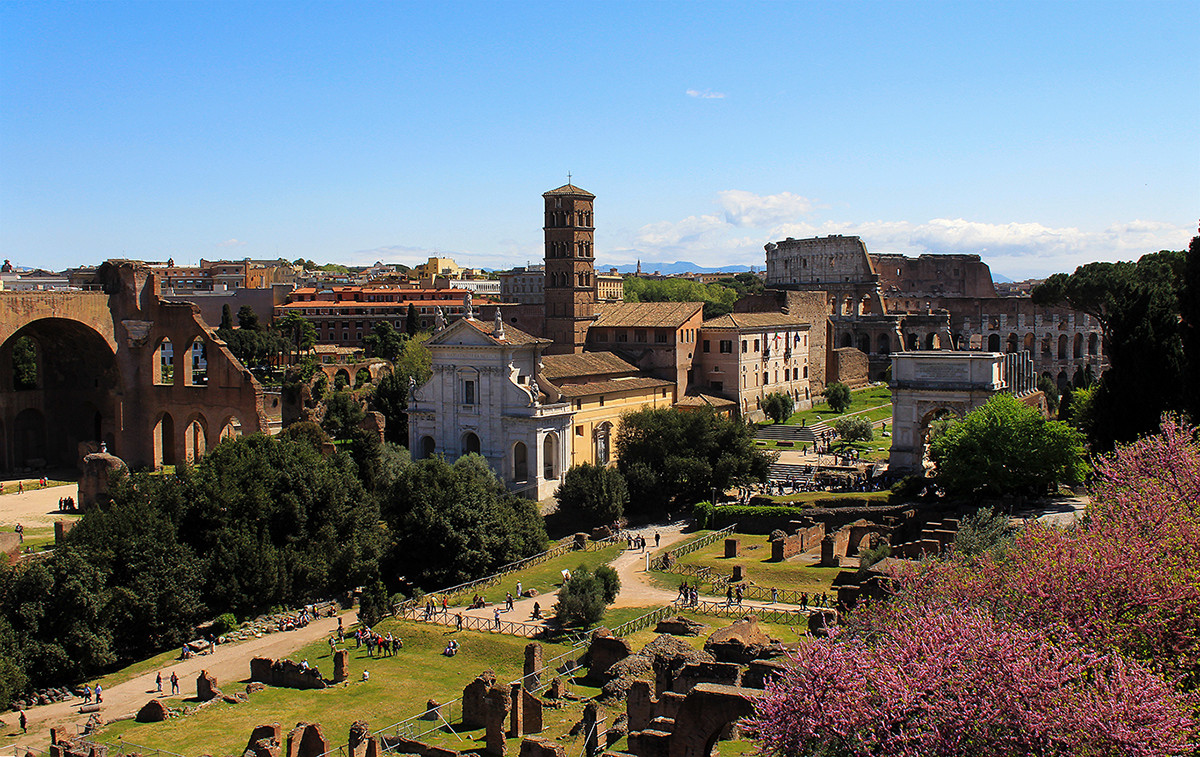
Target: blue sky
1038, 135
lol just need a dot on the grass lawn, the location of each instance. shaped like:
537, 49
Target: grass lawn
545, 577
863, 399
398, 689
33, 484
755, 556
817, 498
785, 633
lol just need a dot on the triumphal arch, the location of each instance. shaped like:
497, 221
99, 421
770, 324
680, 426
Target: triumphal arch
930, 385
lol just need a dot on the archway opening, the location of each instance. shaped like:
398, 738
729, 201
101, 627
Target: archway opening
1062, 347
164, 441
195, 439
520, 462
993, 343
550, 457
66, 372
361, 377
164, 363
428, 447
231, 428
470, 443
847, 340
884, 344
198, 362
341, 379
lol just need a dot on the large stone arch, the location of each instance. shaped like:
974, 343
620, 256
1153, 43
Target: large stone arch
706, 713
925, 384
77, 378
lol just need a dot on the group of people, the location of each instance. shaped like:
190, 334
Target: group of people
431, 607
688, 594
386, 645
66, 504
89, 692
733, 593
158, 680
638, 541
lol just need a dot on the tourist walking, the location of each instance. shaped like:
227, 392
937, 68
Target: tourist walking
158, 682
23, 722
174, 683
98, 692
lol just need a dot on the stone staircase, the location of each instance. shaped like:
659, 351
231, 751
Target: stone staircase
796, 434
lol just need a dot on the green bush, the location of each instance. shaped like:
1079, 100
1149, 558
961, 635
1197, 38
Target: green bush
224, 623
837, 395
581, 600
610, 581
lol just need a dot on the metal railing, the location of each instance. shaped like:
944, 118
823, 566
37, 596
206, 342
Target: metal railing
561, 548
472, 622
643, 621
119, 747
723, 610
671, 557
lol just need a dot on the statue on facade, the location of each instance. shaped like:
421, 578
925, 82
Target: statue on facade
412, 388
498, 326
533, 390
439, 319
467, 311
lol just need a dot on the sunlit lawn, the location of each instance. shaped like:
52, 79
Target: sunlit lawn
399, 688
545, 577
754, 555
863, 399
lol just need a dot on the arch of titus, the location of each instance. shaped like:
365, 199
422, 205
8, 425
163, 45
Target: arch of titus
926, 385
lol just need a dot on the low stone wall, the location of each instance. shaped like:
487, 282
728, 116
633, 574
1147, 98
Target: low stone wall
285, 674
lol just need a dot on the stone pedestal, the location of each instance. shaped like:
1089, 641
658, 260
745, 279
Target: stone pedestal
341, 665
731, 548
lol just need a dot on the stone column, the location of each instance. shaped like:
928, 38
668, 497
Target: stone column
593, 730
497, 713
533, 665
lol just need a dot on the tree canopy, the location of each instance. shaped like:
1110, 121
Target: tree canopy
837, 396
778, 406
596, 492
671, 458
718, 299
1138, 308
1006, 446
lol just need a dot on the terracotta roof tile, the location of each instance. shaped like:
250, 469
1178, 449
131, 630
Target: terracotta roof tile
586, 364
568, 189
704, 400
755, 321
645, 314
608, 387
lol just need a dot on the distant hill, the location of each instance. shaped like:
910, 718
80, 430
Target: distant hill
1001, 278
679, 266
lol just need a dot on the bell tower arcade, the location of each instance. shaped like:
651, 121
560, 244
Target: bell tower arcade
570, 287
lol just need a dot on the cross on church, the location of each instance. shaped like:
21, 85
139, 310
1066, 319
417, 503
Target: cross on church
568, 177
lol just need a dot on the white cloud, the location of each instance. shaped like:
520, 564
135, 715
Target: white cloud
231, 243
744, 208
706, 94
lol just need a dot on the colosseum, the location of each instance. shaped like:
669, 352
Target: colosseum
882, 303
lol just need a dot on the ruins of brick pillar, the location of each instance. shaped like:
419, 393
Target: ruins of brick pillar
341, 665
605, 651
515, 710
535, 747
359, 742
639, 706
533, 665
739, 574
474, 700
593, 730
731, 548
531, 712
433, 710
265, 740
581, 540
154, 711
705, 714
306, 740
828, 558
206, 686
556, 689
497, 713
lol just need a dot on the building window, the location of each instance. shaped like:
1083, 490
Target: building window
601, 400
716, 386
766, 378
468, 392
744, 348
579, 431
756, 345
660, 338
622, 336
727, 346
639, 335
706, 345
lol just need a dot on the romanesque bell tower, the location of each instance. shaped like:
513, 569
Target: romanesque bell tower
570, 268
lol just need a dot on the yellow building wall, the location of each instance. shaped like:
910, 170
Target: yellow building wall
589, 415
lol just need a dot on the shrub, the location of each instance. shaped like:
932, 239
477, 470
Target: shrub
224, 623
610, 581
778, 406
596, 492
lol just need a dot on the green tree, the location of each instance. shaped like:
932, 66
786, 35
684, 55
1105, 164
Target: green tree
581, 600
1189, 305
385, 341
596, 492
1006, 446
248, 319
778, 406
1138, 308
343, 413
837, 396
1047, 387
671, 458
299, 332
453, 523
391, 399
854, 429
226, 317
412, 322
24, 358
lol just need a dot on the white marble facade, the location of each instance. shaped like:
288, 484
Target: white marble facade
484, 397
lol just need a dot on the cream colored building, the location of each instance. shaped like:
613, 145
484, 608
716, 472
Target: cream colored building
746, 356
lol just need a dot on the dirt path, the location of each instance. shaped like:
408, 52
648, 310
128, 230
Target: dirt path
35, 508
229, 663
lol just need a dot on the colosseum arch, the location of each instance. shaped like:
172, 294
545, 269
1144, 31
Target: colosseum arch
195, 437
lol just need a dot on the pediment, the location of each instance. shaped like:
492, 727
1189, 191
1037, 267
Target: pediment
461, 333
